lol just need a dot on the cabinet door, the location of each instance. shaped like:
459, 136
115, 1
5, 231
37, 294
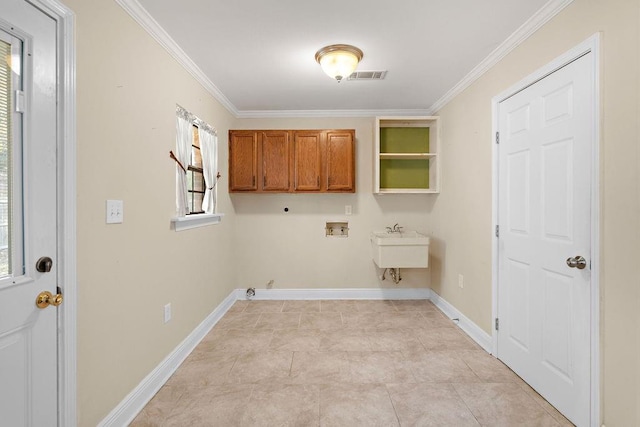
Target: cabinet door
307, 159
340, 161
243, 161
275, 161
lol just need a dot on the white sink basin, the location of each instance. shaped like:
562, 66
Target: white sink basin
408, 249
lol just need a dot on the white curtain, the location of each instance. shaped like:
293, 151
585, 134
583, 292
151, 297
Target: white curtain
184, 139
209, 149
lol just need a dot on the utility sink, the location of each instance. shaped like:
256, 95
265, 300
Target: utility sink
406, 249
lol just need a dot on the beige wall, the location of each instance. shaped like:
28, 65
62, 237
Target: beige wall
466, 141
291, 248
128, 87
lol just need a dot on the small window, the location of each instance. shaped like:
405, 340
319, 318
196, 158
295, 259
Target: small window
195, 177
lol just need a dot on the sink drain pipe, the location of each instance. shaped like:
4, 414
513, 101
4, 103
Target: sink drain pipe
394, 273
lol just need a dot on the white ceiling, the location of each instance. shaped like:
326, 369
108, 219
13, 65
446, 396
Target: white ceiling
260, 53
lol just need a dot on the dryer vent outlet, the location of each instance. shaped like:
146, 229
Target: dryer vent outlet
251, 292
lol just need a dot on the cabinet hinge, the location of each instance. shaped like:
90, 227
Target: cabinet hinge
497, 231
19, 102
497, 137
497, 324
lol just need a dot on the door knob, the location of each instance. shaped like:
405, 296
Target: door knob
577, 262
44, 264
46, 298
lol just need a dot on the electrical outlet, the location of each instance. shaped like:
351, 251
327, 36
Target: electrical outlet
347, 209
115, 211
460, 281
167, 312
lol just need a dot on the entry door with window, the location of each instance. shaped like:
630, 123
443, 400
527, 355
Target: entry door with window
28, 140
544, 248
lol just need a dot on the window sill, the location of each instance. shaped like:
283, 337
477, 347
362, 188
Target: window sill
195, 221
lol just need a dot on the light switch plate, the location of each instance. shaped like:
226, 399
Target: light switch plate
115, 211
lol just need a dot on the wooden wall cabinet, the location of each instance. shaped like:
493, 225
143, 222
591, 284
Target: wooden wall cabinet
292, 161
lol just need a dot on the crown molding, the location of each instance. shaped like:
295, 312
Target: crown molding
544, 15
265, 114
151, 26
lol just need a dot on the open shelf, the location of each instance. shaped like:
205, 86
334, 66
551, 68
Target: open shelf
406, 155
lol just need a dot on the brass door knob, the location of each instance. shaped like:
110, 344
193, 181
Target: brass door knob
46, 298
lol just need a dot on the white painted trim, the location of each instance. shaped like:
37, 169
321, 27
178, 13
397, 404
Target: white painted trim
353, 293
546, 13
265, 114
66, 233
155, 30
195, 221
475, 332
136, 400
592, 44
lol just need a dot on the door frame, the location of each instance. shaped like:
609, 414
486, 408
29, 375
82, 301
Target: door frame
591, 45
66, 209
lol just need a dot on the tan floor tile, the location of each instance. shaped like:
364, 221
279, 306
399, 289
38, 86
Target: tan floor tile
333, 350
278, 321
488, 368
504, 404
394, 340
295, 340
379, 367
283, 405
264, 307
238, 306
560, 419
307, 306
430, 404
439, 366
203, 372
414, 305
261, 367
321, 321
345, 340
160, 406
435, 319
375, 306
313, 367
405, 320
356, 405
238, 320
242, 340
370, 321
213, 406
445, 339
344, 306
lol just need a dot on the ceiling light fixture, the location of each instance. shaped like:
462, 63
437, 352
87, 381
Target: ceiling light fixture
339, 60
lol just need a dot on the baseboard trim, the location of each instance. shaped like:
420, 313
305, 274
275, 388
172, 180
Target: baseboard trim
476, 333
352, 293
135, 401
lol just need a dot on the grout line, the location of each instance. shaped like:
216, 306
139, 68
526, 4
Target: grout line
395, 411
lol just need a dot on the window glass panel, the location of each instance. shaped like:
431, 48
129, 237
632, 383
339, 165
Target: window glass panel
197, 202
196, 157
5, 159
198, 181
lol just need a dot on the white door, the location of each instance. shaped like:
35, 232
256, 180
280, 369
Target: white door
28, 334
544, 209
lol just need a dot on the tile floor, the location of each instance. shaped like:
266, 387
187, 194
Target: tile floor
343, 363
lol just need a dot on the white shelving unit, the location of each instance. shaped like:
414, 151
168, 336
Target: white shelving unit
406, 155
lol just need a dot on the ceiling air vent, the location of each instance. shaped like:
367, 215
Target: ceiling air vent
367, 75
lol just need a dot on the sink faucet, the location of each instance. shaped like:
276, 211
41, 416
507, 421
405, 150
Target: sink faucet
394, 229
